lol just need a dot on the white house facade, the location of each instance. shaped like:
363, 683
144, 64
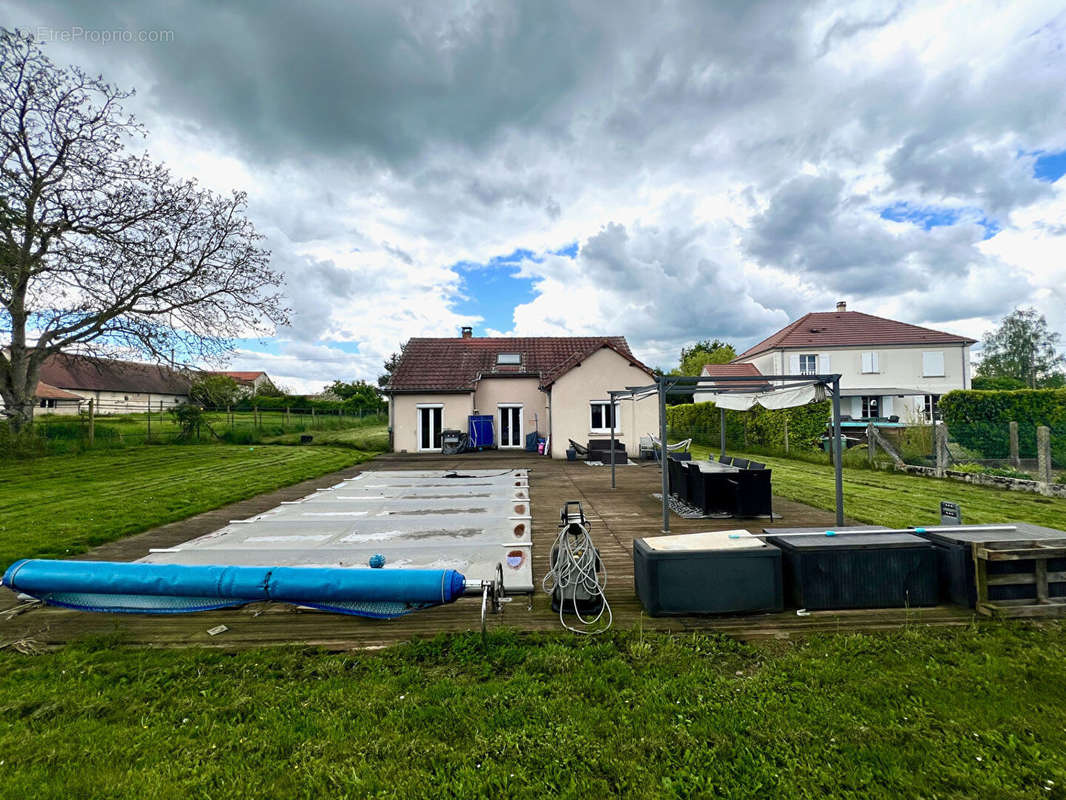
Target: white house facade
888, 368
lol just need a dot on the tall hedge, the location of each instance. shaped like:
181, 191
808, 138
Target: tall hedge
764, 427
980, 420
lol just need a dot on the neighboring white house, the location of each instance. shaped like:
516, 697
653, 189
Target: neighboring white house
551, 385
887, 368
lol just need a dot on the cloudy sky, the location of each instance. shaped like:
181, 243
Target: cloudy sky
667, 171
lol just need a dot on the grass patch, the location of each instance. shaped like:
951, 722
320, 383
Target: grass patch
59, 434
898, 500
920, 713
60, 505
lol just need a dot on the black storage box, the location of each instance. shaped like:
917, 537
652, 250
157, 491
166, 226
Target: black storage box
954, 549
707, 573
856, 570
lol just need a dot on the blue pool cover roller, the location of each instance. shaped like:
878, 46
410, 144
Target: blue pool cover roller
176, 588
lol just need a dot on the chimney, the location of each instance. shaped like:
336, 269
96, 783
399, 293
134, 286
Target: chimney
842, 305
467, 331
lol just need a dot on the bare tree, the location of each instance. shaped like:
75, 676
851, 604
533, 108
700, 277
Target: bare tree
102, 250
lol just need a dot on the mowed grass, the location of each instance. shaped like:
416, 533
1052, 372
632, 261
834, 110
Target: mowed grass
973, 712
898, 500
60, 505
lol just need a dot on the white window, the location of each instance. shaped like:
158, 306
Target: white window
600, 416
508, 358
933, 364
808, 364
869, 362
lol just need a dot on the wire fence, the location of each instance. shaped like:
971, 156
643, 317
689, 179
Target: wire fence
995, 448
121, 424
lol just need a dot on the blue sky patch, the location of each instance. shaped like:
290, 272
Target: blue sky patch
928, 217
1049, 167
493, 289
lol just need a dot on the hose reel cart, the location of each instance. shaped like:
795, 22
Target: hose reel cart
574, 574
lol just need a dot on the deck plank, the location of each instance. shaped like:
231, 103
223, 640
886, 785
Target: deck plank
618, 516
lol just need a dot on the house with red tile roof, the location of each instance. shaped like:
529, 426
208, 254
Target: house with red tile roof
554, 386
731, 371
249, 382
888, 368
52, 400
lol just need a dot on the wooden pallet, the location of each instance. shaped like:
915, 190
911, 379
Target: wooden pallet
1040, 552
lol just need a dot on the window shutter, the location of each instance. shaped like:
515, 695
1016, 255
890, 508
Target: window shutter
794, 364
933, 364
873, 359
823, 363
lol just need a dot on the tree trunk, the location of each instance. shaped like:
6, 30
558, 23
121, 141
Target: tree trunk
20, 388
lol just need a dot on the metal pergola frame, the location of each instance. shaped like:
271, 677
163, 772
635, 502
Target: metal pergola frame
667, 384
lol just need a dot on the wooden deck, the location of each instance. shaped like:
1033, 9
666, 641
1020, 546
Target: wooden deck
618, 516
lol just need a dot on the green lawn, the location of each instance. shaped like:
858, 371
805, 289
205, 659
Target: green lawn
899, 500
64, 504
970, 713
63, 433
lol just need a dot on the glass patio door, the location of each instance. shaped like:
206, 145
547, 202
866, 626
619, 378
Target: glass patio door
429, 427
510, 426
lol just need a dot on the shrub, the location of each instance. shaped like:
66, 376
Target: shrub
980, 420
756, 428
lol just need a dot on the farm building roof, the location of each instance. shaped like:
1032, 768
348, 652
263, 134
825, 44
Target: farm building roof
109, 375
46, 392
456, 364
850, 329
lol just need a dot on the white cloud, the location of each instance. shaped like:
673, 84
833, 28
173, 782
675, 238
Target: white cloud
722, 165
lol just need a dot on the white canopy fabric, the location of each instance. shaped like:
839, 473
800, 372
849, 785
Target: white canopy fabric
774, 398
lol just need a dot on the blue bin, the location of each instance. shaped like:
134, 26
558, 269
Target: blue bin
481, 431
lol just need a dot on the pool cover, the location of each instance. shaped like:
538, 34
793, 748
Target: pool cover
436, 529
173, 589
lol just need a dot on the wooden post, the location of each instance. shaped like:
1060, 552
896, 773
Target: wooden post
149, 419
786, 435
286, 416
255, 416
1015, 459
1043, 454
312, 417
92, 423
940, 448
871, 444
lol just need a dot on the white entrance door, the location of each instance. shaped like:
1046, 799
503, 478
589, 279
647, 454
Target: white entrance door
511, 426
429, 425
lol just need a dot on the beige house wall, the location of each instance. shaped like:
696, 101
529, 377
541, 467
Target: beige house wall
404, 413
491, 392
572, 394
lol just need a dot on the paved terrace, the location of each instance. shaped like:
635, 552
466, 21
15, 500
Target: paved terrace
618, 516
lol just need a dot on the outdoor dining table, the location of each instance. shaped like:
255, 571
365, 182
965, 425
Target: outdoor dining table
717, 488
